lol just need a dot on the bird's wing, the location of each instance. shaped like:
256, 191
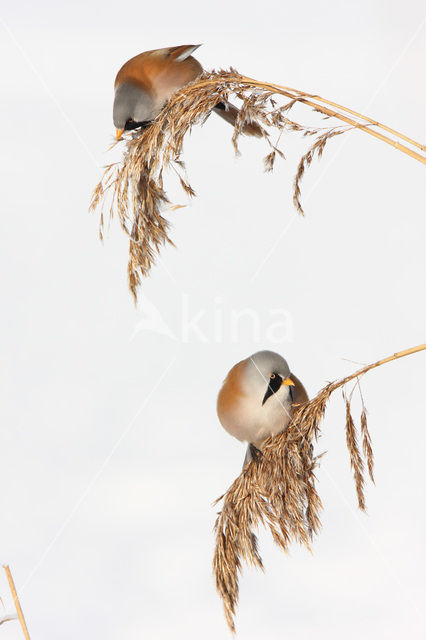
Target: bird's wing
299, 391
182, 52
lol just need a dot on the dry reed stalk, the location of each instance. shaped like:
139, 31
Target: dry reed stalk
135, 185
16, 602
277, 489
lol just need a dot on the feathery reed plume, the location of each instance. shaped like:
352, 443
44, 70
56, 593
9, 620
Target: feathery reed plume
276, 489
357, 462
135, 185
8, 618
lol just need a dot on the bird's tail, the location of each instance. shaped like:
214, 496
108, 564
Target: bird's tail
252, 453
228, 112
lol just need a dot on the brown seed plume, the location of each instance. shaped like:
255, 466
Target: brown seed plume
277, 490
134, 190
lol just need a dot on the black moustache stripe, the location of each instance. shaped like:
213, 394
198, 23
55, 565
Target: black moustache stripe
130, 125
273, 386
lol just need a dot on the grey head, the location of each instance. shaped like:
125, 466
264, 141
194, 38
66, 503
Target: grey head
264, 363
267, 374
132, 107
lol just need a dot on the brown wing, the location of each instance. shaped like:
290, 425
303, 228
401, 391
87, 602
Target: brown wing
299, 391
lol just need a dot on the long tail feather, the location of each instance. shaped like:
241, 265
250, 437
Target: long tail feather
228, 112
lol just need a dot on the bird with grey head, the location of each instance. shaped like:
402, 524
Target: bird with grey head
146, 82
258, 398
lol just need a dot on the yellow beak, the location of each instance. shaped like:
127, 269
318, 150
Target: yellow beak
288, 382
119, 133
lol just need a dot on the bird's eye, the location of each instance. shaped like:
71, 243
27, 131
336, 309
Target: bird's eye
132, 124
272, 376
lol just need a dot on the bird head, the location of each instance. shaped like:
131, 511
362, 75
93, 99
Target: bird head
145, 83
133, 106
266, 375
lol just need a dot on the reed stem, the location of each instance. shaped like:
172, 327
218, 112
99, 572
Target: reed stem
16, 602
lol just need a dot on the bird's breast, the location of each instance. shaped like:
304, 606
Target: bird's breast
244, 416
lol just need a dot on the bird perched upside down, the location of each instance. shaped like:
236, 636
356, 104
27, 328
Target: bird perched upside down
146, 82
257, 399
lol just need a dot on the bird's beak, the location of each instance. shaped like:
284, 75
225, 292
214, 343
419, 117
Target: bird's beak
288, 382
119, 133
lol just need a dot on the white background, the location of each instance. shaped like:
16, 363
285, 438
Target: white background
111, 538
